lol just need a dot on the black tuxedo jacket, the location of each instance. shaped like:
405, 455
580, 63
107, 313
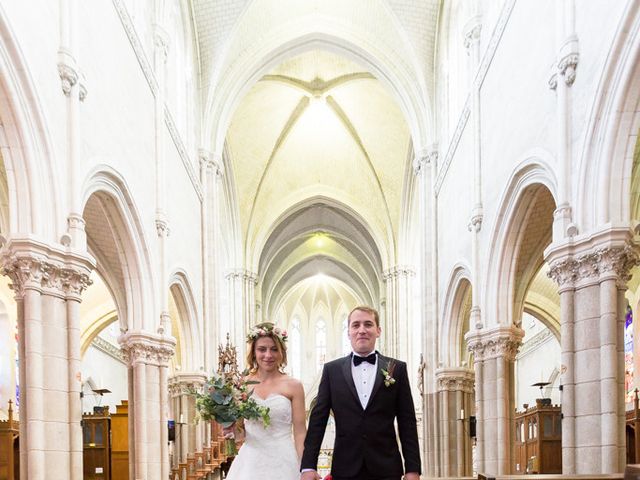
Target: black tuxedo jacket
364, 436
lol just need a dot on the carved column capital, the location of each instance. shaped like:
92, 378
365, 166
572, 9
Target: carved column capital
162, 227
148, 348
610, 262
455, 379
242, 274
496, 342
397, 272
567, 67
33, 265
423, 159
593, 257
472, 33
211, 162
161, 41
182, 383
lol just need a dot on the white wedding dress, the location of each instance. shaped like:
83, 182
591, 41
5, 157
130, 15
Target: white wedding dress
268, 453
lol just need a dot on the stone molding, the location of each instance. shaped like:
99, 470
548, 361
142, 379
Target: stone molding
455, 379
161, 42
472, 33
497, 342
475, 222
148, 348
52, 270
424, 158
183, 383
538, 339
67, 71
211, 161
567, 67
242, 274
398, 271
162, 228
108, 348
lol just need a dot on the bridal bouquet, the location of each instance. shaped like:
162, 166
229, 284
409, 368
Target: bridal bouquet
226, 401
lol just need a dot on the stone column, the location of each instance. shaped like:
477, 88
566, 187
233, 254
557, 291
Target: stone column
210, 174
424, 167
397, 319
455, 387
189, 438
592, 272
472, 44
75, 91
242, 285
48, 281
563, 75
148, 356
494, 351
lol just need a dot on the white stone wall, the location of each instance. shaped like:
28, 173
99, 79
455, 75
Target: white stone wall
537, 361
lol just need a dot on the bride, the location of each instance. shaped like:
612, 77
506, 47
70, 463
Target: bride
270, 453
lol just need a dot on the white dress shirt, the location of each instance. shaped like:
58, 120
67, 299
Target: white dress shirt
364, 376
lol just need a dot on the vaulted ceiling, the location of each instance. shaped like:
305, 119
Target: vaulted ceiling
319, 139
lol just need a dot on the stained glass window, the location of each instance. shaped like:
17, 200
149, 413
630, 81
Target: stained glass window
628, 355
17, 369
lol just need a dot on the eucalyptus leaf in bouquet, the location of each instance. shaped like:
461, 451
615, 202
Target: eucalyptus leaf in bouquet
227, 400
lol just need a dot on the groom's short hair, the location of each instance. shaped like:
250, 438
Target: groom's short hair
369, 310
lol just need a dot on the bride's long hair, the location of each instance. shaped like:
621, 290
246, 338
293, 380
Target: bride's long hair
269, 330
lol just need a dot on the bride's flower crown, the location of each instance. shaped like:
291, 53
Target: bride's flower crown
263, 330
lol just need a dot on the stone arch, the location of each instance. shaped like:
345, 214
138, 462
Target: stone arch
115, 237
604, 174
305, 34
27, 156
519, 209
456, 299
306, 200
188, 334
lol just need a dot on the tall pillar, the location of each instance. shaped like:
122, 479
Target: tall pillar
75, 91
48, 281
455, 387
424, 168
563, 76
592, 272
148, 356
472, 44
242, 285
189, 437
494, 351
397, 281
211, 172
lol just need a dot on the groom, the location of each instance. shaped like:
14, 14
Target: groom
366, 392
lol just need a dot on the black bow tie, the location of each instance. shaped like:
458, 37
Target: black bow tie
357, 360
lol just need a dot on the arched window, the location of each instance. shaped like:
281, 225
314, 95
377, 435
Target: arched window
295, 348
321, 343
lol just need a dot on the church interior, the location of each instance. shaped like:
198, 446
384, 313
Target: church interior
174, 172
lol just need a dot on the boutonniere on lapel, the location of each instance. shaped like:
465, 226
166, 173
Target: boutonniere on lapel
388, 373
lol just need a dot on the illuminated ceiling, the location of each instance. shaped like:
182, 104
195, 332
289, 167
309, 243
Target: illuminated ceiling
319, 130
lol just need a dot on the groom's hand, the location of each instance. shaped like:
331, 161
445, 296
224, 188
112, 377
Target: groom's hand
310, 475
411, 476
